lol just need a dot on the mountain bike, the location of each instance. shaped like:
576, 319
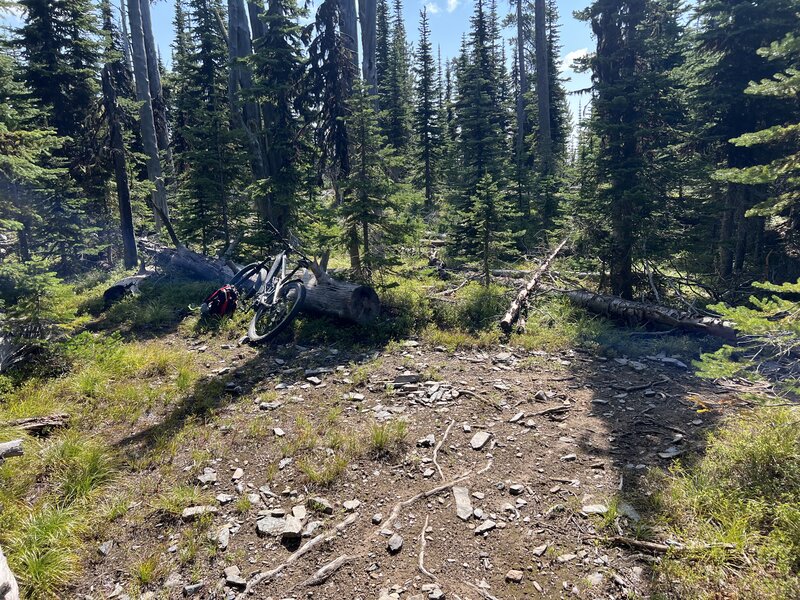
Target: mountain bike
277, 296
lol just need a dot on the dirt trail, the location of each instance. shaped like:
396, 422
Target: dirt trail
566, 435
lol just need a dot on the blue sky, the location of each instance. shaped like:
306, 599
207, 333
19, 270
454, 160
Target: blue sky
449, 20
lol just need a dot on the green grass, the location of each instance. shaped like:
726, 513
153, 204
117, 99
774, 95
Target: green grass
744, 492
325, 472
386, 439
173, 501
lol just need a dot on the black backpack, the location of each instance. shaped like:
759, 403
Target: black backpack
220, 303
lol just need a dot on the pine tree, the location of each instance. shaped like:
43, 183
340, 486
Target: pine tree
396, 100
426, 114
383, 41
278, 72
210, 196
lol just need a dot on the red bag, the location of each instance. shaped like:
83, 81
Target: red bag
221, 303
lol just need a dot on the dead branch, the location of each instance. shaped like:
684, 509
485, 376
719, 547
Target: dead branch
297, 555
10, 449
658, 548
481, 591
422, 543
39, 426
326, 571
439, 445
513, 311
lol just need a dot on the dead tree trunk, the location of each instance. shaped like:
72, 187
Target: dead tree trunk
10, 449
8, 584
513, 311
129, 286
349, 301
184, 263
367, 15
154, 81
614, 306
39, 426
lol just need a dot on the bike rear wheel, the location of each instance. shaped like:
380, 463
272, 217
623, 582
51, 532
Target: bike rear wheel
271, 319
241, 280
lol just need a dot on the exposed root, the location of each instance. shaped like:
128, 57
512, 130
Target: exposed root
481, 591
299, 553
325, 572
422, 543
439, 445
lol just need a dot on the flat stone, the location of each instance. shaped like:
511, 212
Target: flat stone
516, 489
351, 505
487, 525
314, 380
104, 549
299, 512
192, 589
516, 417
237, 474
539, 550
208, 476
311, 527
565, 558
292, 528
197, 511
569, 457
278, 432
225, 498
428, 473
479, 440
463, 503
377, 518
320, 504
234, 578
269, 405
395, 543
354, 396
595, 509
427, 442
407, 378
514, 576
270, 526
223, 537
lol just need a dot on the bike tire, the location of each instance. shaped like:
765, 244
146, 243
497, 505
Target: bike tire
300, 295
243, 275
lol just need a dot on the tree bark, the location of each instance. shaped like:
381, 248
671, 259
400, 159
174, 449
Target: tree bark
349, 301
185, 263
39, 426
8, 584
349, 29
543, 88
154, 81
126, 38
10, 450
118, 157
636, 311
522, 87
513, 311
368, 14
128, 286
146, 118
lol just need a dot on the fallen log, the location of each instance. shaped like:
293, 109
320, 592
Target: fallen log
513, 311
8, 584
613, 306
349, 301
185, 263
10, 449
127, 286
39, 426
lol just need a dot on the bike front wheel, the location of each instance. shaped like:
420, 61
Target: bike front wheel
271, 319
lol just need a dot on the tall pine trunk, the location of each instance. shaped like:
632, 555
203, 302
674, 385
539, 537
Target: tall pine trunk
543, 89
130, 258
522, 90
154, 81
146, 118
368, 14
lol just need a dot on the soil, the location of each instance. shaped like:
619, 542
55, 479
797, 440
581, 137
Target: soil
590, 429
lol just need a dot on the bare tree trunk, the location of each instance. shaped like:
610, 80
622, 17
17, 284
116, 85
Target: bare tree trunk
254, 9
146, 118
543, 88
130, 257
349, 26
126, 38
725, 257
8, 584
522, 84
154, 80
368, 14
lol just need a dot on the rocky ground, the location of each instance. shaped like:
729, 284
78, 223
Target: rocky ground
517, 470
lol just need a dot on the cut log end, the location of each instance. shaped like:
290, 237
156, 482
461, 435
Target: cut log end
341, 299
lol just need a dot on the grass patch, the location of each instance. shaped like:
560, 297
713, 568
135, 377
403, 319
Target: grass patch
743, 492
175, 500
387, 439
327, 471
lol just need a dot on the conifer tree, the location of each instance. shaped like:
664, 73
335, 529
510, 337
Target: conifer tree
426, 114
397, 90
382, 44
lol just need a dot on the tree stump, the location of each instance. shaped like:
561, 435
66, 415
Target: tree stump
344, 300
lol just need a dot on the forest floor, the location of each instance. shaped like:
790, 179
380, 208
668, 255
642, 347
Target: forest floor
498, 471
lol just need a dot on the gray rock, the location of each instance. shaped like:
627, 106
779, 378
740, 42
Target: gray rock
237, 474
351, 505
234, 578
225, 498
292, 528
270, 526
311, 528
463, 503
429, 441
320, 504
595, 579
565, 558
269, 405
516, 489
407, 378
192, 589
299, 512
479, 440
428, 473
105, 548
377, 518
569, 457
173, 580
595, 509
514, 576
539, 550
278, 432
395, 543
193, 512
223, 537
484, 527
209, 476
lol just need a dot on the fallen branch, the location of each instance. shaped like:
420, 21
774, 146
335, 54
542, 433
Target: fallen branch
481, 591
297, 555
439, 445
640, 386
326, 571
513, 311
659, 548
10, 449
640, 312
39, 426
422, 543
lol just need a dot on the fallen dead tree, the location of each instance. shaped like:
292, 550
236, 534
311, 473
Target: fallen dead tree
10, 449
341, 299
613, 306
182, 262
516, 306
127, 286
8, 584
39, 426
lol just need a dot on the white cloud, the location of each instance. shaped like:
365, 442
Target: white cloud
452, 5
433, 8
566, 63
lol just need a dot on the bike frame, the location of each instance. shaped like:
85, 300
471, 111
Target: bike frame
265, 294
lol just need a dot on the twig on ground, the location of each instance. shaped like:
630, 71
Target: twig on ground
422, 542
481, 591
299, 553
324, 573
439, 445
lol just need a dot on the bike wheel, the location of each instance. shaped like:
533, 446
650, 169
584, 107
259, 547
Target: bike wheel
241, 280
271, 319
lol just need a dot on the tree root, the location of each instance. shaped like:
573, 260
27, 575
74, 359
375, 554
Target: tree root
439, 445
325, 572
299, 553
422, 543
